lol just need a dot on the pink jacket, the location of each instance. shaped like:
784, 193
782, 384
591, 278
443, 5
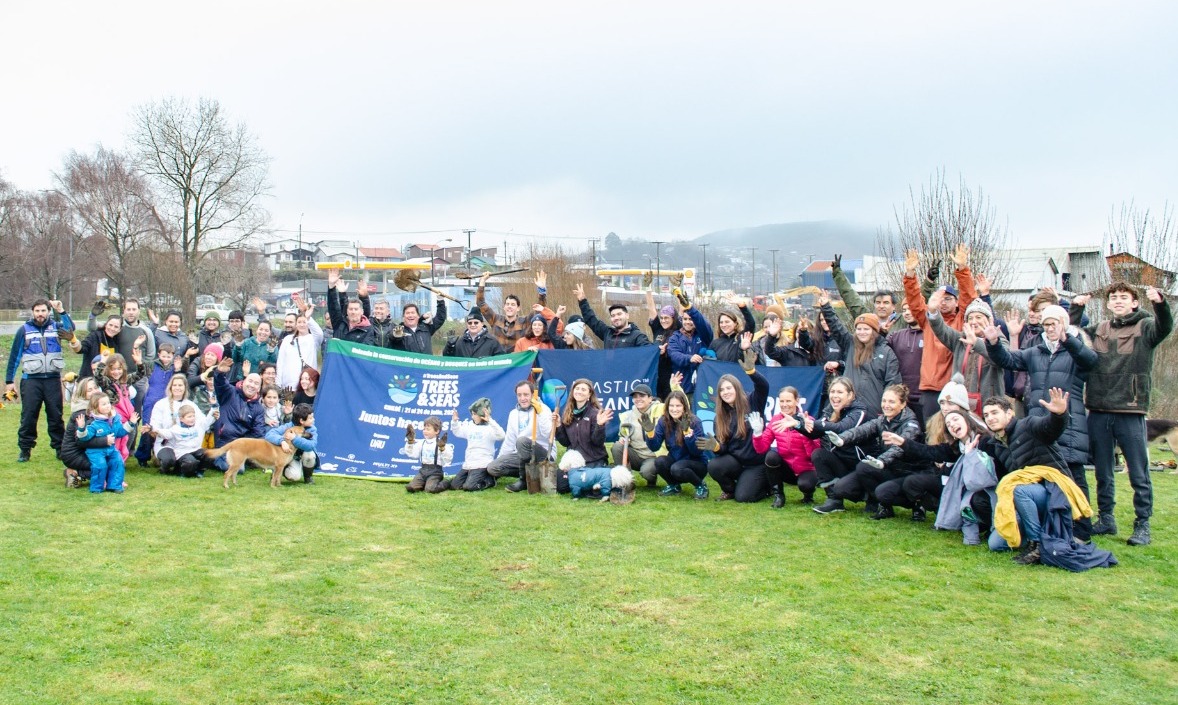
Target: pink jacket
794, 448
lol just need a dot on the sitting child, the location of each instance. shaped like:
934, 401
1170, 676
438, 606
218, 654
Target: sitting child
583, 480
181, 441
481, 433
106, 464
433, 453
302, 465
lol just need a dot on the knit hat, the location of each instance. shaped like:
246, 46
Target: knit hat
667, 311
1056, 313
577, 329
475, 315
537, 317
870, 320
212, 314
955, 393
216, 349
979, 306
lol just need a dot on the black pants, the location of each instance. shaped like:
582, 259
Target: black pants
1128, 432
472, 480
689, 471
746, 483
922, 489
428, 478
830, 466
859, 485
777, 471
930, 403
35, 392
187, 465
917, 406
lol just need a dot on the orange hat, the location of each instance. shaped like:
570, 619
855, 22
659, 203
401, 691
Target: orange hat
868, 319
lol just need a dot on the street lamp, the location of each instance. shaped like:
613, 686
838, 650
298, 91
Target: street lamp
774, 270
658, 265
704, 279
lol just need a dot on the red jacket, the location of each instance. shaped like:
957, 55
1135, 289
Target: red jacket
936, 364
794, 448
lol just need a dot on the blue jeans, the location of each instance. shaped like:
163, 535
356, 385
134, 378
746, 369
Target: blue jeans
1030, 504
1106, 431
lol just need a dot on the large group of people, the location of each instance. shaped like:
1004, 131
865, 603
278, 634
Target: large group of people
933, 401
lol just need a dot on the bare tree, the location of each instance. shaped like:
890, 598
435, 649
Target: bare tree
242, 274
160, 277
1148, 235
939, 220
10, 252
114, 202
212, 175
45, 234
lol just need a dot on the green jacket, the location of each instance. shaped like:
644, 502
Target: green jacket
1122, 379
855, 305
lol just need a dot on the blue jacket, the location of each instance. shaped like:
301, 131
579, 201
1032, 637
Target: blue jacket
157, 386
582, 480
240, 418
676, 451
101, 428
681, 346
48, 334
274, 435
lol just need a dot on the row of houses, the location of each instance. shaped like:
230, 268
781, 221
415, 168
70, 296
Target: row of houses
291, 253
1069, 270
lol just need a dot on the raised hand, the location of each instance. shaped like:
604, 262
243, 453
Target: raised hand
991, 332
1058, 403
746, 340
410, 435
541, 280
1081, 300
134, 417
968, 336
561, 310
259, 306
934, 300
756, 422
961, 256
677, 377
245, 367
982, 283
706, 442
139, 341
823, 299
579, 291
1153, 294
971, 445
537, 308
604, 416
773, 328
911, 262
225, 365
80, 421
362, 288
56, 306
836, 262
1014, 323
332, 278
342, 287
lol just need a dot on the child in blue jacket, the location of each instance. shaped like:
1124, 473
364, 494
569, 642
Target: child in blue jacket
305, 459
106, 464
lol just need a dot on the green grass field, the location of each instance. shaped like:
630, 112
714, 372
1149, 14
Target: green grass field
350, 591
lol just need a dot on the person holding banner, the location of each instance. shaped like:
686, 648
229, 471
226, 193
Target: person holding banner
481, 433
581, 427
737, 466
620, 333
678, 430
530, 419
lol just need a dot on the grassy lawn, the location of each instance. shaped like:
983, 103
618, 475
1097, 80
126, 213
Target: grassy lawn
354, 592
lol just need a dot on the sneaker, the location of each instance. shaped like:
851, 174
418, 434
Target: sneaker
1140, 535
517, 486
71, 478
1029, 555
918, 514
871, 508
807, 499
1105, 525
23, 457
670, 490
724, 497
884, 512
830, 506
701, 491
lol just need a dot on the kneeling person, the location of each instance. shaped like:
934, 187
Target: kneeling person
434, 454
481, 433
305, 459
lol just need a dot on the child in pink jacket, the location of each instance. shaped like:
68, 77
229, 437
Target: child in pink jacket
790, 462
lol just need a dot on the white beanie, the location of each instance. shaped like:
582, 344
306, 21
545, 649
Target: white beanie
1055, 313
955, 392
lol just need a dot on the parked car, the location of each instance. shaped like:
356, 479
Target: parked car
220, 309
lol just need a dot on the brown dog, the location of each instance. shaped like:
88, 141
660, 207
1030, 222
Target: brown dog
261, 452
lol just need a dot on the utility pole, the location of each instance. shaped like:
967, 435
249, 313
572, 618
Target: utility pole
774, 270
300, 263
658, 265
593, 253
468, 232
704, 280
752, 272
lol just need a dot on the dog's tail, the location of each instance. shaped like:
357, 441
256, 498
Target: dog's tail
212, 453
1156, 428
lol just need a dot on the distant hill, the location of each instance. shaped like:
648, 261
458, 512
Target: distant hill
820, 238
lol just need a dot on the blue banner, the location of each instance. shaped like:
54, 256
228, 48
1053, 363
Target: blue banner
368, 396
614, 374
809, 382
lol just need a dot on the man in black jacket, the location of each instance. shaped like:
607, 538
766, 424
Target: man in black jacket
475, 342
352, 325
1118, 398
416, 334
620, 333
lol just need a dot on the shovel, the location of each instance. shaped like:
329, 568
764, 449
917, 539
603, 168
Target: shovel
548, 468
532, 468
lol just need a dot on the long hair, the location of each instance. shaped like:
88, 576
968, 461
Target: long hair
80, 399
864, 351
674, 427
592, 403
116, 359
726, 415
847, 384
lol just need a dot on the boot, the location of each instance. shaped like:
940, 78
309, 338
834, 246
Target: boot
1029, 555
918, 513
884, 512
778, 496
1105, 525
1140, 535
517, 486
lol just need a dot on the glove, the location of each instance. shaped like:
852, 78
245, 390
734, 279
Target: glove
756, 422
98, 308
399, 331
66, 335
835, 439
452, 337
647, 423
624, 432
706, 442
748, 360
647, 279
537, 406
442, 441
874, 462
410, 436
837, 262
934, 270
683, 300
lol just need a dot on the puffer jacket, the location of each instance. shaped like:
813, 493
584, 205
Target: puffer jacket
584, 435
681, 346
629, 337
870, 380
982, 376
852, 416
1028, 441
793, 446
727, 347
1067, 368
1122, 379
791, 355
904, 424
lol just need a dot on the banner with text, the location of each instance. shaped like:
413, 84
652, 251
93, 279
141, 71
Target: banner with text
809, 382
614, 374
368, 396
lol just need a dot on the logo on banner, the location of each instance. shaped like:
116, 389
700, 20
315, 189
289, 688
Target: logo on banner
402, 389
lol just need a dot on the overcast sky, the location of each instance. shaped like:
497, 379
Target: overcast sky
659, 120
